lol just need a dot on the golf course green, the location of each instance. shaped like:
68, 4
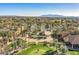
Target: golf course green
34, 50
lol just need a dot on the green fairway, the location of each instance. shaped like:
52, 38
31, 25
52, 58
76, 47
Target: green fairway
74, 52
34, 50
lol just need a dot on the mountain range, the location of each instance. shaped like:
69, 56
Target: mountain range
55, 15
52, 15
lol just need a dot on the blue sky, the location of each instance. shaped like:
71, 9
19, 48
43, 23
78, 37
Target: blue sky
36, 9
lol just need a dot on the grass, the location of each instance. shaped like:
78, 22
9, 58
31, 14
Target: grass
34, 50
74, 52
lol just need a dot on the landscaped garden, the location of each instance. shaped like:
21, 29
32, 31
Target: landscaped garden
15, 46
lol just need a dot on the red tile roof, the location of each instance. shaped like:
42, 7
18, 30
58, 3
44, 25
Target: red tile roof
64, 34
74, 39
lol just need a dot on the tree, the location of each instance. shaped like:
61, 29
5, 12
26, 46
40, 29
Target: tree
60, 47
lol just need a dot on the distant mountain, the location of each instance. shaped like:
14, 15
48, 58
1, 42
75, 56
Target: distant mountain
52, 15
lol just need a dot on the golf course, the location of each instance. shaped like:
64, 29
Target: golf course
35, 50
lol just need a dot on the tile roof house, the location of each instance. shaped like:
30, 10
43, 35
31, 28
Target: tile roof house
73, 41
63, 36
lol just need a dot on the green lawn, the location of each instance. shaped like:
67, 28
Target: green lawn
35, 50
74, 52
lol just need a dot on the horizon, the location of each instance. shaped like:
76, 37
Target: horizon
44, 15
38, 9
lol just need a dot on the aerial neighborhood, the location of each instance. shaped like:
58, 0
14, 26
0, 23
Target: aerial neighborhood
22, 35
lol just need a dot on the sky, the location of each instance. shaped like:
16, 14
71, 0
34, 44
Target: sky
37, 9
